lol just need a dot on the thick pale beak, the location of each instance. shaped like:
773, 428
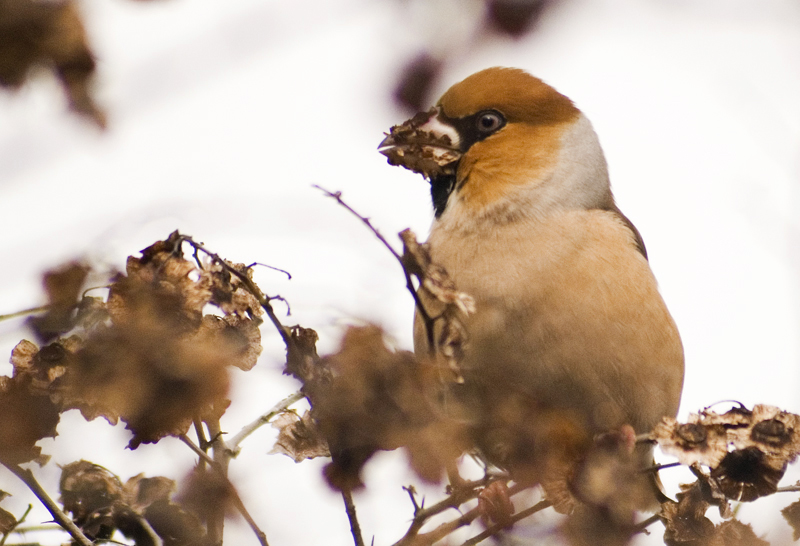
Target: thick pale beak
423, 144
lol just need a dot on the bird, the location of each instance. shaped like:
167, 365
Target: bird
570, 338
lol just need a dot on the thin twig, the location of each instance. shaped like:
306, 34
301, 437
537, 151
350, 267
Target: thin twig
199, 452
426, 317
215, 522
789, 489
248, 283
657, 467
461, 494
24, 312
412, 493
234, 495
58, 515
468, 491
522, 514
642, 526
350, 508
16, 525
288, 275
247, 430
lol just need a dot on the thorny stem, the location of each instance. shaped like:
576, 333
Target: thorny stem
234, 495
350, 508
465, 492
247, 430
522, 514
412, 493
426, 317
16, 525
58, 515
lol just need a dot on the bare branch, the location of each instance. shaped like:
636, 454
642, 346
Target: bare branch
24, 312
426, 317
658, 467
234, 495
247, 430
58, 515
462, 493
350, 508
522, 514
642, 527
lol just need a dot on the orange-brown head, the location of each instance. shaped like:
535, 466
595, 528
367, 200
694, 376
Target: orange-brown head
503, 143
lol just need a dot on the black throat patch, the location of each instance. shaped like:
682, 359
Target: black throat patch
441, 188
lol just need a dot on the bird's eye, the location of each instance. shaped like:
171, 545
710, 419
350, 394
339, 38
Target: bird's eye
489, 122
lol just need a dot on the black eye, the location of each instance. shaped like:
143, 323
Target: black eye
489, 122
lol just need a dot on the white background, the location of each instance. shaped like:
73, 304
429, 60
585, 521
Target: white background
223, 114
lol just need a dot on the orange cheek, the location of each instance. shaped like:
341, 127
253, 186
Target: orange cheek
518, 155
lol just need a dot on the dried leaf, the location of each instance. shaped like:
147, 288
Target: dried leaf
92, 312
748, 451
153, 379
736, 533
63, 286
235, 335
380, 399
303, 362
747, 474
299, 437
453, 305
204, 492
90, 492
692, 442
7, 521
792, 515
229, 294
176, 526
685, 522
141, 492
421, 151
494, 504
28, 415
51, 35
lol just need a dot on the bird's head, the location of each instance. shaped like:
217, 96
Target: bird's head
501, 144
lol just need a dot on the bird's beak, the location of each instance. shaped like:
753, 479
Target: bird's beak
423, 144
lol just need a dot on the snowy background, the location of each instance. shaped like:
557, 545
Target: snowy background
223, 114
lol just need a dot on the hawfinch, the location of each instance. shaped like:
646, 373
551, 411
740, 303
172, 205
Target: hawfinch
570, 337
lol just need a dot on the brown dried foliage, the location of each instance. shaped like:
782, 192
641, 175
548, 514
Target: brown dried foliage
204, 492
299, 437
747, 451
49, 35
100, 504
792, 516
381, 399
63, 287
28, 413
410, 146
148, 356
